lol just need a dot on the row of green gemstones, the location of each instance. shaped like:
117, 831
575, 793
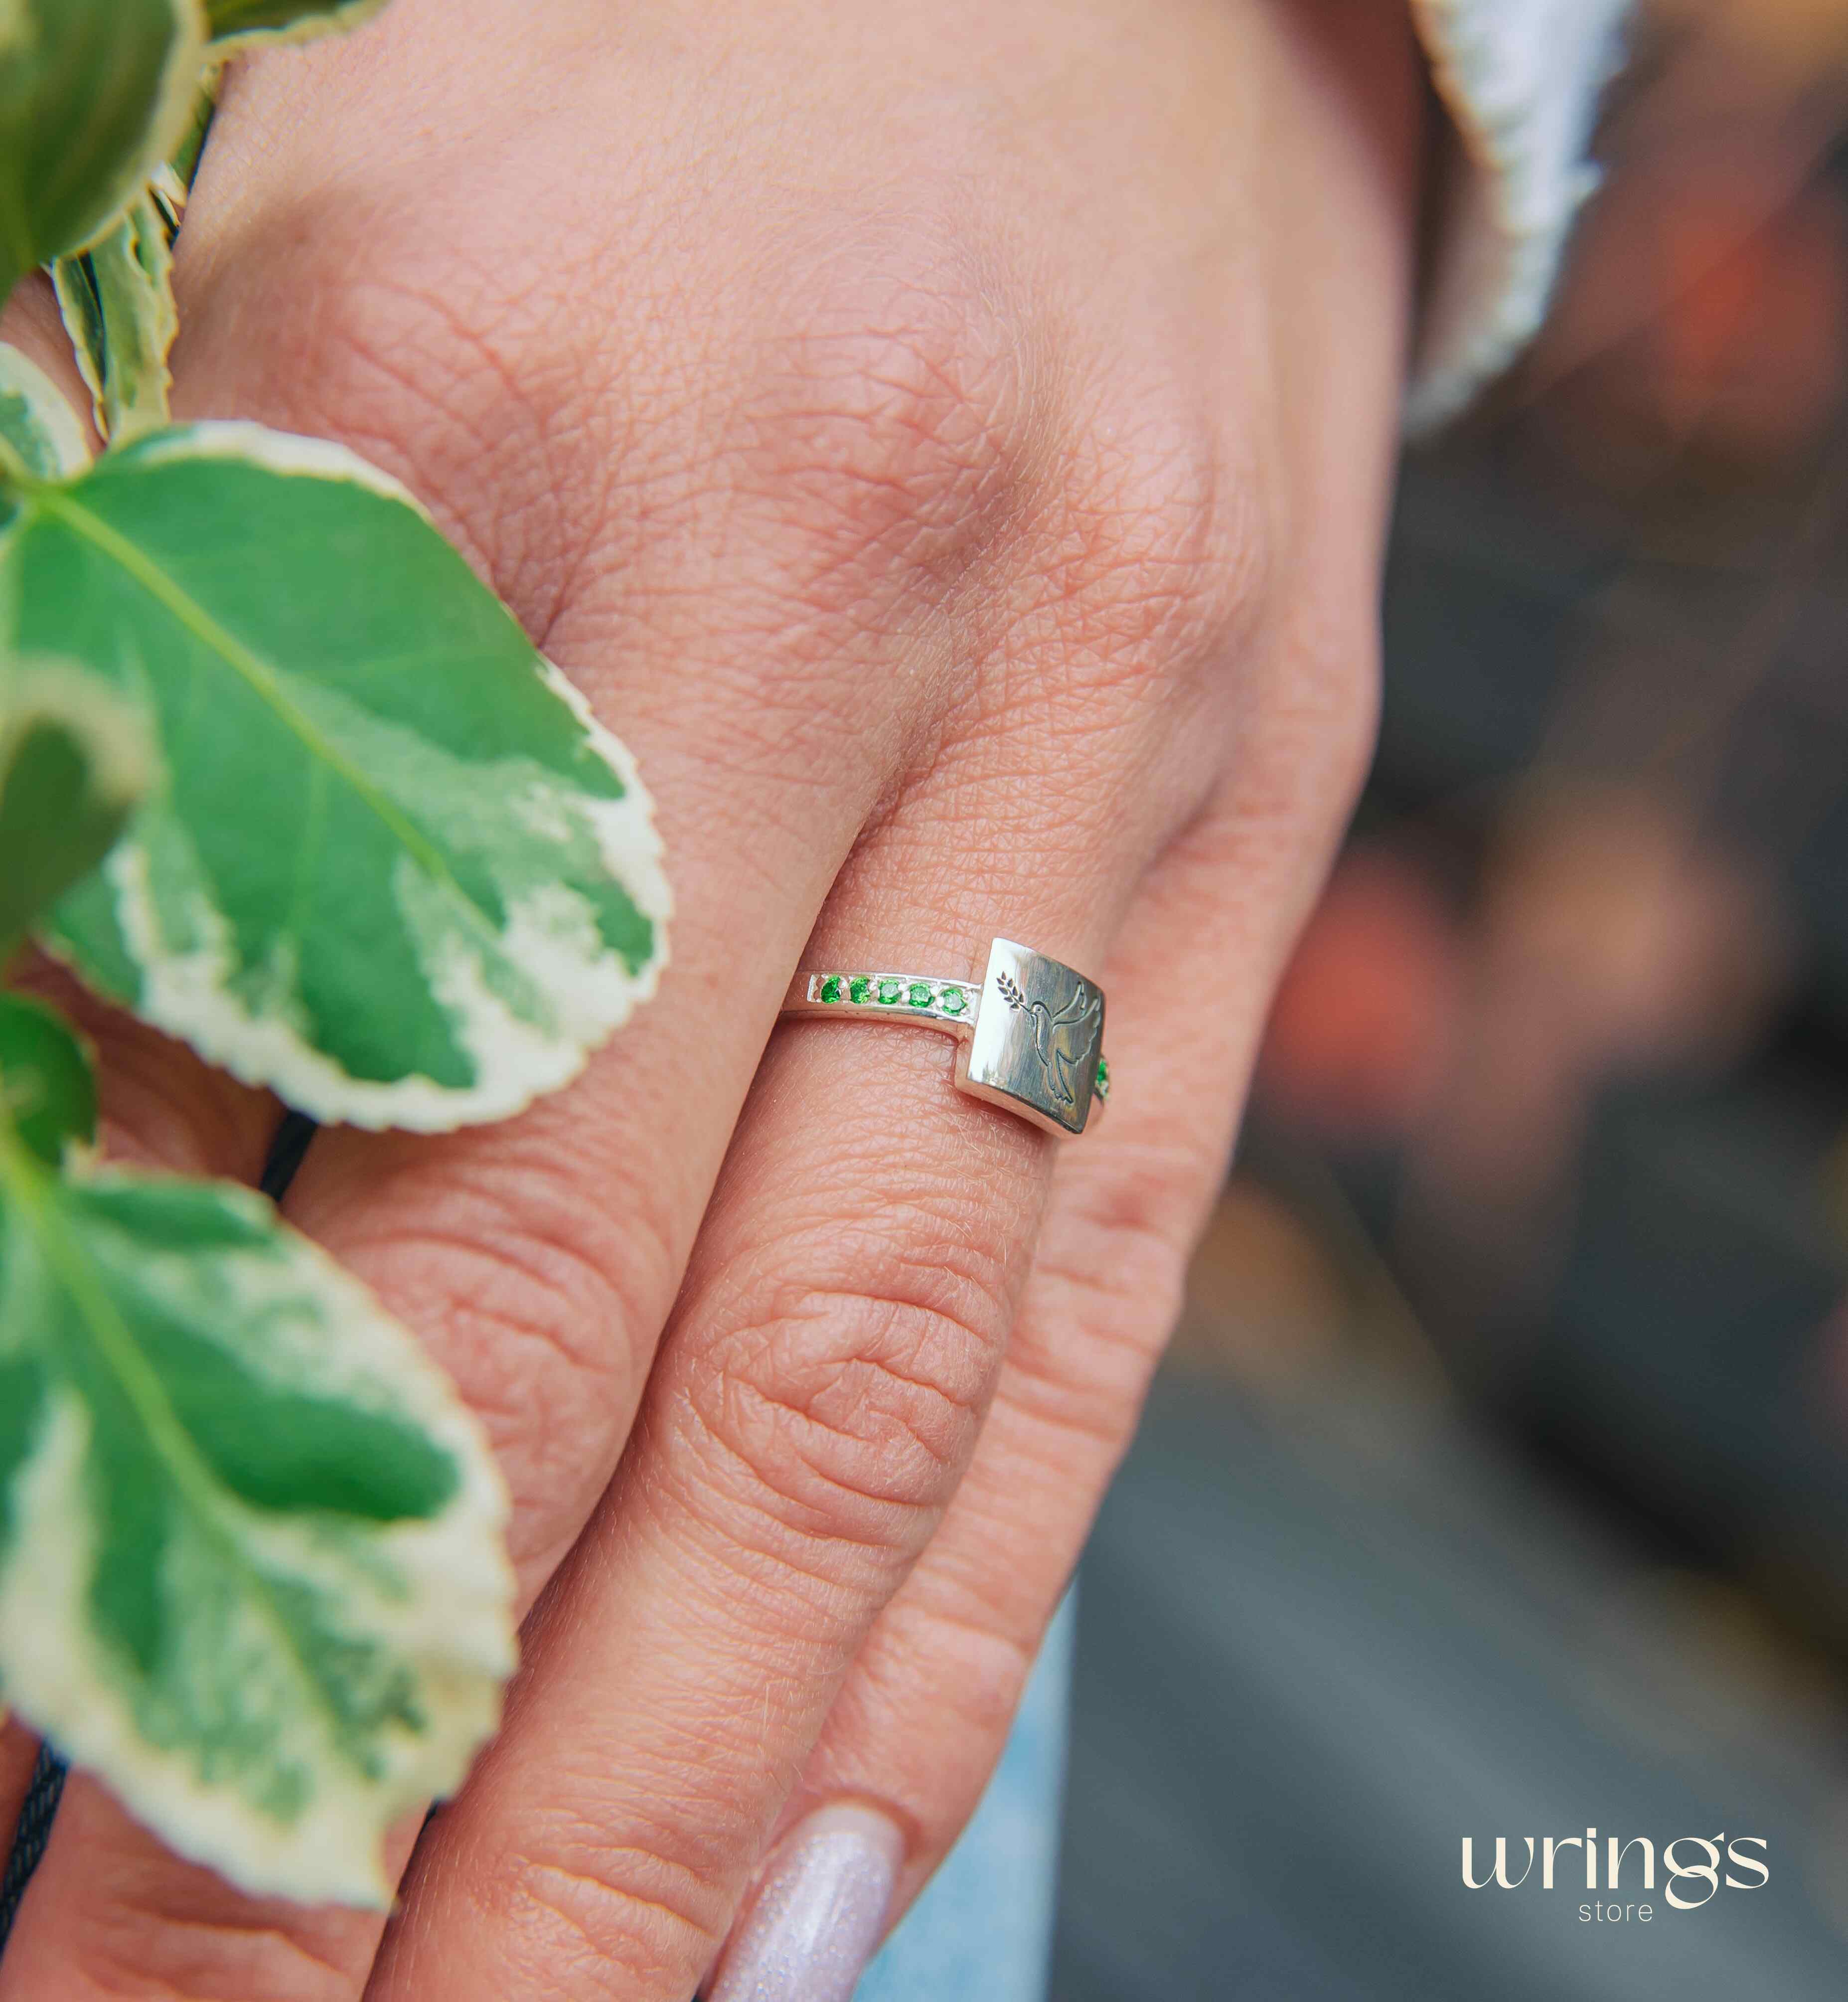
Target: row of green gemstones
884, 990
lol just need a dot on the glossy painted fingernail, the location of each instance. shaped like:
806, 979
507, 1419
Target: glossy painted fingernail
819, 1912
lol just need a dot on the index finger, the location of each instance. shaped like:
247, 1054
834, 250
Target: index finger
769, 645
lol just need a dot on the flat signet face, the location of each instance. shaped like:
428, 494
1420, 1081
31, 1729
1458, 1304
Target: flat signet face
1038, 1035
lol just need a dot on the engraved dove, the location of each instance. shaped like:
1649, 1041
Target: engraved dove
1063, 1042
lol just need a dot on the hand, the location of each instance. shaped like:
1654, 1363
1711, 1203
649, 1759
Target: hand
951, 446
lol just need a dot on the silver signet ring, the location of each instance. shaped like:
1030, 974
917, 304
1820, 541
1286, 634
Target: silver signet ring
1031, 1029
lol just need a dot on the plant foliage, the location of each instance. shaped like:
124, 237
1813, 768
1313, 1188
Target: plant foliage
393, 870
238, 24
94, 94
249, 1556
279, 774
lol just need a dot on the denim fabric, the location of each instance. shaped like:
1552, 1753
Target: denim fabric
982, 1931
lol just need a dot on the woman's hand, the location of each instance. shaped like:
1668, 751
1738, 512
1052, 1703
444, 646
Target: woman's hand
950, 445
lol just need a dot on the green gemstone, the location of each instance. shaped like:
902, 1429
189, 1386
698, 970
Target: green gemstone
830, 987
1102, 1079
953, 1001
859, 987
891, 992
919, 996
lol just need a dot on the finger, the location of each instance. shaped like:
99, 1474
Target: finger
19, 1755
923, 1713
815, 1399
316, 1954
813, 1405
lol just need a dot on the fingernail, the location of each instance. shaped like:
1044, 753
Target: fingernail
819, 1911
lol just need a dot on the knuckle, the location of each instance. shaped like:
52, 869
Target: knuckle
969, 1665
885, 425
457, 396
471, 395
538, 1304
586, 1916
133, 1922
1110, 1283
163, 1959
1312, 743
845, 1409
1164, 557
1347, 665
1146, 569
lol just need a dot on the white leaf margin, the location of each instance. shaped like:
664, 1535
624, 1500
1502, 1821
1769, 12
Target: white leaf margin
59, 428
47, 687
185, 994
127, 377
310, 28
168, 117
457, 1626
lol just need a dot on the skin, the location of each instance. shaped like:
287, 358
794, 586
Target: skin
951, 446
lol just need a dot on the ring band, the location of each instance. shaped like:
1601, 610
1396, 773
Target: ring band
1031, 1029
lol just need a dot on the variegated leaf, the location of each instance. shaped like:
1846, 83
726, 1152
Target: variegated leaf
94, 94
395, 870
39, 431
47, 1089
74, 763
250, 1562
241, 24
116, 298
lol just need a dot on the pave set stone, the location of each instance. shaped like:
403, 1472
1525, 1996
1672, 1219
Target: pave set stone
949, 1000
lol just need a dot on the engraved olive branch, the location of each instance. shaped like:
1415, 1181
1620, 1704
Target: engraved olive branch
1010, 993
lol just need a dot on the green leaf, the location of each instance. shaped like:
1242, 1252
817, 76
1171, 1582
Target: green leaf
241, 24
47, 1089
397, 872
116, 298
184, 162
250, 1560
40, 432
75, 762
94, 94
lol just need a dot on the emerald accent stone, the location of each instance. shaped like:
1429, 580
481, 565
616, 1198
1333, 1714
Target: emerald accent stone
1102, 1079
859, 988
919, 996
890, 992
830, 987
953, 1001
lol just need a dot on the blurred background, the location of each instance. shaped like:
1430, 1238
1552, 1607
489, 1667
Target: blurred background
1498, 1482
